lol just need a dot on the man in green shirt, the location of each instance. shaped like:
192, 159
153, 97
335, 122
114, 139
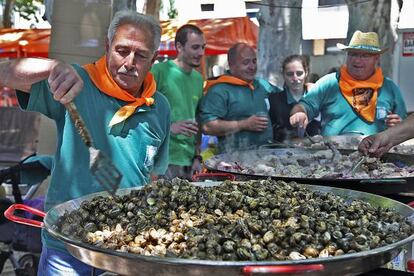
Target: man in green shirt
183, 86
125, 115
235, 108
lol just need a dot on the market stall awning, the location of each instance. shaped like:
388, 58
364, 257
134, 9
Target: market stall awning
220, 34
24, 42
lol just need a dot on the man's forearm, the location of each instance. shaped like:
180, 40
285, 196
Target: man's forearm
222, 127
403, 131
22, 73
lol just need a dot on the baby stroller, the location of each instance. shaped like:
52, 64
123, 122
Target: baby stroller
21, 244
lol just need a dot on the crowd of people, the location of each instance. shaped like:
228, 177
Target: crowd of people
149, 118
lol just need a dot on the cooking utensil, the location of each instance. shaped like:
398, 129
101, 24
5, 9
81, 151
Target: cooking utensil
129, 264
356, 166
105, 172
301, 132
352, 133
274, 145
382, 186
329, 145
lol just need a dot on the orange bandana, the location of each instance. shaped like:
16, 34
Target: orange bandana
227, 79
99, 74
361, 95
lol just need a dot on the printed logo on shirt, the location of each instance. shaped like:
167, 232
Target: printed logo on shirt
149, 156
362, 96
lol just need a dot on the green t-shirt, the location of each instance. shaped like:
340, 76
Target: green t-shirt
338, 117
183, 91
138, 146
233, 103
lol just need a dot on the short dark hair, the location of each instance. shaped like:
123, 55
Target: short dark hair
234, 50
300, 58
183, 31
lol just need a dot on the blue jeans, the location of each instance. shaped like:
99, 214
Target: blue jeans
54, 262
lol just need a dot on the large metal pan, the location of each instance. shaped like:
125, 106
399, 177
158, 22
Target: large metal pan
383, 186
350, 142
133, 264
341, 141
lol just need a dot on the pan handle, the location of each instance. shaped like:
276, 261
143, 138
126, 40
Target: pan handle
383, 181
281, 269
212, 176
275, 145
9, 214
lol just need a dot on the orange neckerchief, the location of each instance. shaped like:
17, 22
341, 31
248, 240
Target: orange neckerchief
227, 79
99, 74
361, 95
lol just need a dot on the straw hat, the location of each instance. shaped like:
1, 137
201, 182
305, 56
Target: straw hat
363, 42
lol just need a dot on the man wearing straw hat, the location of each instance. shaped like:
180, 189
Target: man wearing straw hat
357, 99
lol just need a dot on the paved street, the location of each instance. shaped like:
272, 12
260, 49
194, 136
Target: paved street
8, 267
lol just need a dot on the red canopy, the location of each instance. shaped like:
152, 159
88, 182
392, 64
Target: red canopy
220, 34
24, 43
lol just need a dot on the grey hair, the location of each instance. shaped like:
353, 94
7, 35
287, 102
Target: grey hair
138, 19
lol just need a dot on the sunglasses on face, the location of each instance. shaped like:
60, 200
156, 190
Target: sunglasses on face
359, 55
297, 73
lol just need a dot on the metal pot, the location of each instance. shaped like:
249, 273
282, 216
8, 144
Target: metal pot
349, 142
383, 186
340, 141
133, 264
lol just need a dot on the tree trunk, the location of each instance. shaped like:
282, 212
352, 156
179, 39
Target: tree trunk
7, 13
373, 16
120, 5
153, 8
280, 35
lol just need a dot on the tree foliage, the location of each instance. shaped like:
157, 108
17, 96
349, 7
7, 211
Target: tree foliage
26, 8
172, 11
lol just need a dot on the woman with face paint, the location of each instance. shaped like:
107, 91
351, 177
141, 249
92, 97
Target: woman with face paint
295, 71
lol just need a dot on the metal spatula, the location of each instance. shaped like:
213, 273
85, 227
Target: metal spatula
105, 172
356, 166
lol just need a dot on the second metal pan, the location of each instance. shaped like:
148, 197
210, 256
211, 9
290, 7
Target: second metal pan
382, 186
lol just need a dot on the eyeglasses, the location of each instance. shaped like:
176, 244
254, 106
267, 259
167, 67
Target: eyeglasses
360, 55
297, 73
